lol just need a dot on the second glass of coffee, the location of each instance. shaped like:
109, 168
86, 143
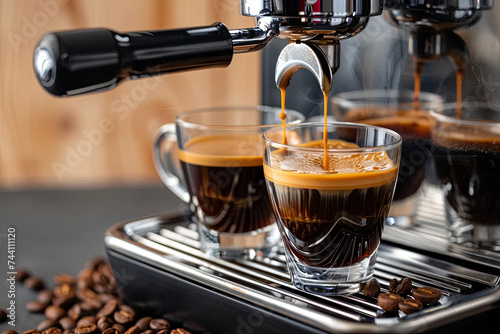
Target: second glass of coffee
331, 212
212, 159
399, 111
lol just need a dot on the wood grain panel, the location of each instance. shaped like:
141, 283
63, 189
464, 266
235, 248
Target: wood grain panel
103, 138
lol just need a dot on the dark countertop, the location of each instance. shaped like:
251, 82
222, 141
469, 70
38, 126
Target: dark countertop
58, 231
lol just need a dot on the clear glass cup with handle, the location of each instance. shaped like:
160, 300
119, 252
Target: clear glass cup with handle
212, 160
331, 216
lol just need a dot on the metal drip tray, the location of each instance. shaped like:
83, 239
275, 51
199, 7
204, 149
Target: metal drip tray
170, 273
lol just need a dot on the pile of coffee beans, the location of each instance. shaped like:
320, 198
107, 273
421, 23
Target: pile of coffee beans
86, 304
394, 300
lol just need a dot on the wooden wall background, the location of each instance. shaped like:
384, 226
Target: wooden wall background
39, 133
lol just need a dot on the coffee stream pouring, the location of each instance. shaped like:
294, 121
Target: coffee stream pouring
82, 61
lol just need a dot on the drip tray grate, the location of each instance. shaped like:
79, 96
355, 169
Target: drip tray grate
468, 279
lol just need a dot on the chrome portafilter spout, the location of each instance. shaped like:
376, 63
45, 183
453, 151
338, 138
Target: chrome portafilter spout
426, 46
321, 60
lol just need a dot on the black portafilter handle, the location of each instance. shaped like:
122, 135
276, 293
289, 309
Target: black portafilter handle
82, 61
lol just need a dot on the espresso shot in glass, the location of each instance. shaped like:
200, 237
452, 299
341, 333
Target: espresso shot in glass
398, 111
467, 160
331, 212
212, 160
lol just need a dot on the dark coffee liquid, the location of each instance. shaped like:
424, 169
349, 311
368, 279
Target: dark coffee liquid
470, 174
415, 128
332, 219
225, 179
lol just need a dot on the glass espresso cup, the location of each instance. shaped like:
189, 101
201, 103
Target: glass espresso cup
212, 160
467, 160
331, 220
396, 110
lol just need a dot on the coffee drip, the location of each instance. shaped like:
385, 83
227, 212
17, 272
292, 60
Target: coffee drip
313, 58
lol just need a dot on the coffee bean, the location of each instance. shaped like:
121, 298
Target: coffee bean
94, 263
393, 284
106, 297
158, 324
9, 331
36, 306
105, 269
87, 320
120, 328
179, 331
92, 305
101, 289
46, 324
111, 331
21, 275
128, 309
89, 307
133, 330
3, 316
402, 287
52, 330
87, 294
100, 278
108, 309
122, 317
143, 323
60, 279
389, 301
65, 290
86, 329
45, 296
84, 279
34, 283
64, 302
67, 323
75, 312
104, 323
410, 305
125, 315
426, 295
372, 288
54, 312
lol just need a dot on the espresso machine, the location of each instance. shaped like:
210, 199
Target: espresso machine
172, 278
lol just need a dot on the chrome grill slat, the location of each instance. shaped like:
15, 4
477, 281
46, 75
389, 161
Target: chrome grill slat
464, 276
159, 243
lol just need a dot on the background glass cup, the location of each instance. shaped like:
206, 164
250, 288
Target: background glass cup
331, 222
467, 159
212, 159
395, 110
